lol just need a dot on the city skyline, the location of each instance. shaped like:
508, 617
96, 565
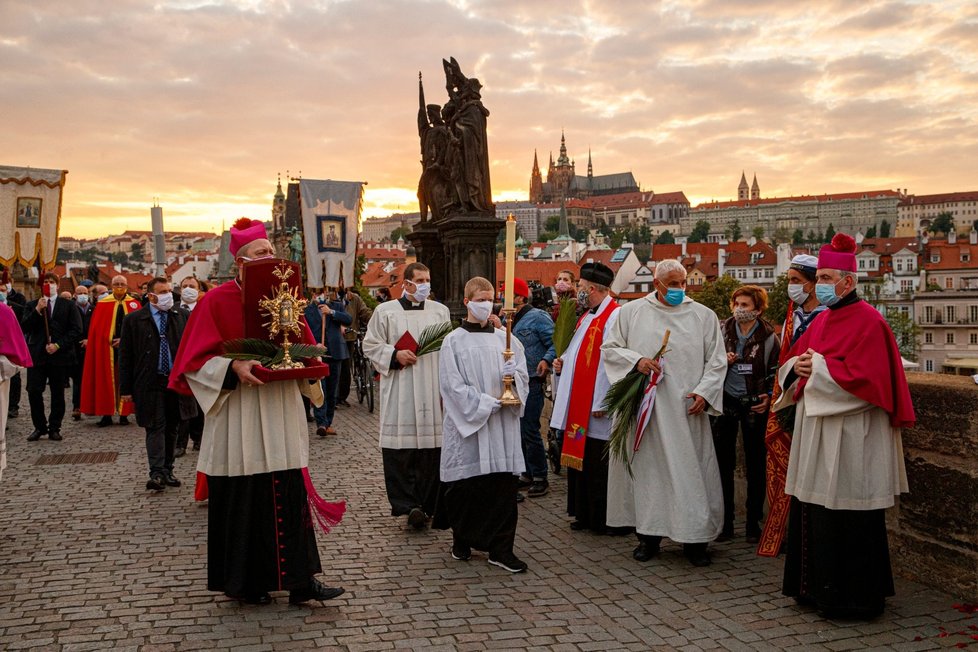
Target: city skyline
201, 104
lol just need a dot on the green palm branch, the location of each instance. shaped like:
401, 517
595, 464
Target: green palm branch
433, 336
565, 325
622, 402
266, 352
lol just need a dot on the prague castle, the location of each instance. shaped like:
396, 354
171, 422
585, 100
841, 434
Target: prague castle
564, 183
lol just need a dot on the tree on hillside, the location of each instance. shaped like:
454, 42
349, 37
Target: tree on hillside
666, 237
138, 252
871, 232
777, 301
758, 233
943, 223
798, 237
906, 331
812, 238
885, 229
399, 233
644, 235
829, 233
716, 295
700, 231
733, 232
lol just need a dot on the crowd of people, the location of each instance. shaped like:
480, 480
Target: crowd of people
460, 453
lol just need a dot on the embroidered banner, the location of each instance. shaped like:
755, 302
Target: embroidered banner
30, 215
330, 226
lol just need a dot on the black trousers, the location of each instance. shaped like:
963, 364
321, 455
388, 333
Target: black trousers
190, 430
38, 377
76, 383
346, 375
161, 435
482, 512
587, 490
412, 477
738, 417
15, 383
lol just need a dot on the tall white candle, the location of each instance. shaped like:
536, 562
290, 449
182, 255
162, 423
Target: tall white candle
510, 262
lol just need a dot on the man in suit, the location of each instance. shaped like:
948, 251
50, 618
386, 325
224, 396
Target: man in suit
52, 326
326, 308
84, 303
149, 341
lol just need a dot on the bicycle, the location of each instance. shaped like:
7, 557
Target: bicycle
363, 373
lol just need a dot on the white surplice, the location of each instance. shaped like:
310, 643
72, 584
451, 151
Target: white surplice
251, 429
844, 452
477, 442
7, 371
598, 427
410, 412
675, 491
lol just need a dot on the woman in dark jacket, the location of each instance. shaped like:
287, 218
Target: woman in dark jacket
752, 359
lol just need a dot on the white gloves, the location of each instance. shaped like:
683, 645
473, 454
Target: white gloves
497, 406
509, 368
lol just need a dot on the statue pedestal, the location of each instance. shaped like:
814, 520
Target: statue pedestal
469, 246
428, 251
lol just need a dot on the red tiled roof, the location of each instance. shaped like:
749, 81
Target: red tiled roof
950, 255
743, 203
382, 253
542, 271
942, 198
742, 258
670, 198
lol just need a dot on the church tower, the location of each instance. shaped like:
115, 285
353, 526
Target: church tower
280, 239
536, 182
743, 190
755, 190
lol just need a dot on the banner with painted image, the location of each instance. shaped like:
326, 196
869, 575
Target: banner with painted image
30, 215
330, 226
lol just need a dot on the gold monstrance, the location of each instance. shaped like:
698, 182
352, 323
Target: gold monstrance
283, 309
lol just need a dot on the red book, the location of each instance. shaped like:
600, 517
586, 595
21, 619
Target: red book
406, 343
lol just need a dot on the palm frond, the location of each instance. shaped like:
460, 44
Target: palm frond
622, 402
251, 345
432, 337
564, 326
303, 351
268, 353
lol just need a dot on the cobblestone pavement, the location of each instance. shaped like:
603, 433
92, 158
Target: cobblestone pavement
90, 560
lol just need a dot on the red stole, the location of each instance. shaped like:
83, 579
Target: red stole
100, 381
582, 389
778, 441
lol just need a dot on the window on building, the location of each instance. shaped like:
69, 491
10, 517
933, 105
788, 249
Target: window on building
951, 314
906, 285
973, 314
935, 258
928, 365
862, 264
928, 338
948, 283
949, 338
928, 314
973, 338
899, 264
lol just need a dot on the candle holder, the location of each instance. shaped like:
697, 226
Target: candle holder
509, 396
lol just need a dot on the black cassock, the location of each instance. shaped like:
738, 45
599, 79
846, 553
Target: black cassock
838, 559
587, 490
260, 534
481, 511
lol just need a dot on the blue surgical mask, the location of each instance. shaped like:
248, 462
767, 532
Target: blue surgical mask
825, 292
675, 296
3, 297
81, 299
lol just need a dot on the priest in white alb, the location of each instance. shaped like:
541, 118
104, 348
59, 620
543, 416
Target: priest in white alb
674, 490
410, 408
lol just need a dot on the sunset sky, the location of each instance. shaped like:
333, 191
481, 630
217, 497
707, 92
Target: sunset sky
200, 103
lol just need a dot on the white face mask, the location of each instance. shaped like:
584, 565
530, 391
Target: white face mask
480, 310
103, 295
53, 290
421, 291
164, 301
81, 299
797, 294
188, 295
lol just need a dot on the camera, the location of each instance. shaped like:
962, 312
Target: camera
541, 296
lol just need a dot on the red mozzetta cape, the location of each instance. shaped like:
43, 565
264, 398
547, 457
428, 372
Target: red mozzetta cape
862, 357
100, 382
217, 318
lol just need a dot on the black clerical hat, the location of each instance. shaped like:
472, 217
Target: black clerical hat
597, 273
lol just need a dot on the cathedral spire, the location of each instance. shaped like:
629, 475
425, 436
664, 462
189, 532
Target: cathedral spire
563, 160
590, 168
743, 190
536, 165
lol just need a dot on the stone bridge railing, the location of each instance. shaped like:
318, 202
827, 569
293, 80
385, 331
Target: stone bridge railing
934, 528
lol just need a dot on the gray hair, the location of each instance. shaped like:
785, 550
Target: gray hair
668, 266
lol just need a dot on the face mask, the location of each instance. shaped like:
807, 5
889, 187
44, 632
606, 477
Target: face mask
826, 294
744, 315
188, 295
582, 297
103, 295
119, 294
480, 310
3, 297
562, 286
82, 299
421, 291
52, 290
797, 294
164, 301
9, 287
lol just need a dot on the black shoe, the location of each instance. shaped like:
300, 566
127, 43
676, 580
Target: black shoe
508, 562
104, 421
321, 431
75, 415
309, 418
753, 534
13, 413
417, 519
618, 531
315, 591
645, 551
520, 497
37, 434
524, 481
179, 452
260, 599
55, 435
697, 555
344, 403
538, 488
577, 526
461, 552
171, 480
123, 421
726, 534
156, 482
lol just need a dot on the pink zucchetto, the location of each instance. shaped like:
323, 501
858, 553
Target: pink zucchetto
840, 254
246, 230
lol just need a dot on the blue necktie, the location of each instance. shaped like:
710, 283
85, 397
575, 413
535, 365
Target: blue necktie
164, 347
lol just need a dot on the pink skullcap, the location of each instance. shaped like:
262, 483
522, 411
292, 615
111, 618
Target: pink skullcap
246, 230
840, 254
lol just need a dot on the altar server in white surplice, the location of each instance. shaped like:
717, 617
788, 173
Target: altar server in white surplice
675, 491
482, 453
410, 409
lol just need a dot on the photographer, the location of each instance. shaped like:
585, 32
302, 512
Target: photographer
752, 359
